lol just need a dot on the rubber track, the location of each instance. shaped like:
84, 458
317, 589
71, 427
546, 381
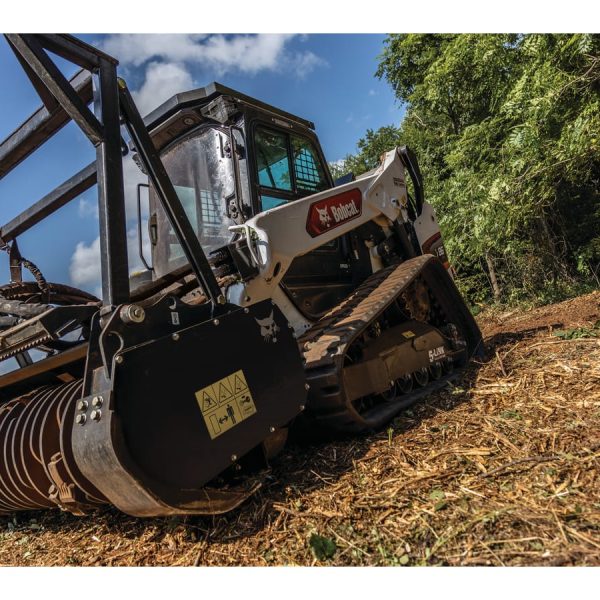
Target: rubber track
325, 344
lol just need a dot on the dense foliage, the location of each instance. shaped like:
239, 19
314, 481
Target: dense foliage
506, 128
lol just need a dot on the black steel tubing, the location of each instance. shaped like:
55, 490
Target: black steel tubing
111, 198
157, 173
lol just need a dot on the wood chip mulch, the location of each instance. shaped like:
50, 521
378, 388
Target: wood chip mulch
501, 468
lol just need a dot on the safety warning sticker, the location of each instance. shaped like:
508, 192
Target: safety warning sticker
225, 403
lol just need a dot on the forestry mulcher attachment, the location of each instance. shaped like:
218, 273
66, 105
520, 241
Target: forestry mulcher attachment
270, 294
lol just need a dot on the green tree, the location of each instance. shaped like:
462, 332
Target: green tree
370, 149
506, 130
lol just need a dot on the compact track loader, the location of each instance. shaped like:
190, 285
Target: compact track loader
269, 294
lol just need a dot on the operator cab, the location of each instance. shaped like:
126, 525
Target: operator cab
231, 157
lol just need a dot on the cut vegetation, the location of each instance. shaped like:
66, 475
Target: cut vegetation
502, 468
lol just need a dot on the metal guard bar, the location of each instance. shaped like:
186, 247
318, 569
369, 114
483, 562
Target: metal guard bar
111, 101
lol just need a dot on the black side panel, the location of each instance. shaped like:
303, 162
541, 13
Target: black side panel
185, 407
319, 280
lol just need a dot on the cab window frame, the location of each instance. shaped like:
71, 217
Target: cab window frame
255, 120
295, 193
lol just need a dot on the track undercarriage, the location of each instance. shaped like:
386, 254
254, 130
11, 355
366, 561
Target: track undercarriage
397, 338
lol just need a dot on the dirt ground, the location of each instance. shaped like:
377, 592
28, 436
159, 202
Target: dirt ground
501, 468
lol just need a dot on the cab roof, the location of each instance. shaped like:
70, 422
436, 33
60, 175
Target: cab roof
204, 95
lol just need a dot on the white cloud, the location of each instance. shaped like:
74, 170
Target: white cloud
87, 208
305, 62
239, 53
170, 58
372, 93
248, 54
135, 49
162, 81
84, 269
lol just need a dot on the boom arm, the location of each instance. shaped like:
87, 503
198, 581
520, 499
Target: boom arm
277, 236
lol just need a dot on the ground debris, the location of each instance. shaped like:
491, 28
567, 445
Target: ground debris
500, 468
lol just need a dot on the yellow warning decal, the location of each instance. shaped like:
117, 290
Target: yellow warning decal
225, 403
408, 334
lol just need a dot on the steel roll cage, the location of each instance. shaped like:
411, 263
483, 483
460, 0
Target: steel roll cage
67, 100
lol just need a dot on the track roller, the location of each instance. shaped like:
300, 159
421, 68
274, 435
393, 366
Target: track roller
436, 370
405, 384
421, 377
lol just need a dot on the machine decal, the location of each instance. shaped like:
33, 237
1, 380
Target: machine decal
434, 245
436, 353
330, 212
268, 328
225, 403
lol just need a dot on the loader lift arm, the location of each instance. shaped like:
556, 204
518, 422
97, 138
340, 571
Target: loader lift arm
277, 236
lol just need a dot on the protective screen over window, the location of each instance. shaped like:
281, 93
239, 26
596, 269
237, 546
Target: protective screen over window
307, 168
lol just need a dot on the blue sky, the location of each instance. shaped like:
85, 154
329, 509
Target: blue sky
329, 79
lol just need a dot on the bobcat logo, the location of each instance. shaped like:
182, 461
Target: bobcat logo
268, 328
324, 216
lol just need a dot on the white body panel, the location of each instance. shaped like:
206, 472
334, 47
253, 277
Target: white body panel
277, 236
426, 225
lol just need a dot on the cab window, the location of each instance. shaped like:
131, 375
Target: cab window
288, 167
307, 168
203, 179
271, 201
273, 161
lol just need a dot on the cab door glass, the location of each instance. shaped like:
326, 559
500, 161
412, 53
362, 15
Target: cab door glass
268, 202
272, 159
187, 196
203, 179
307, 166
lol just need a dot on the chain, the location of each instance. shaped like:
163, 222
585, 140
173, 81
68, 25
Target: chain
31, 267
